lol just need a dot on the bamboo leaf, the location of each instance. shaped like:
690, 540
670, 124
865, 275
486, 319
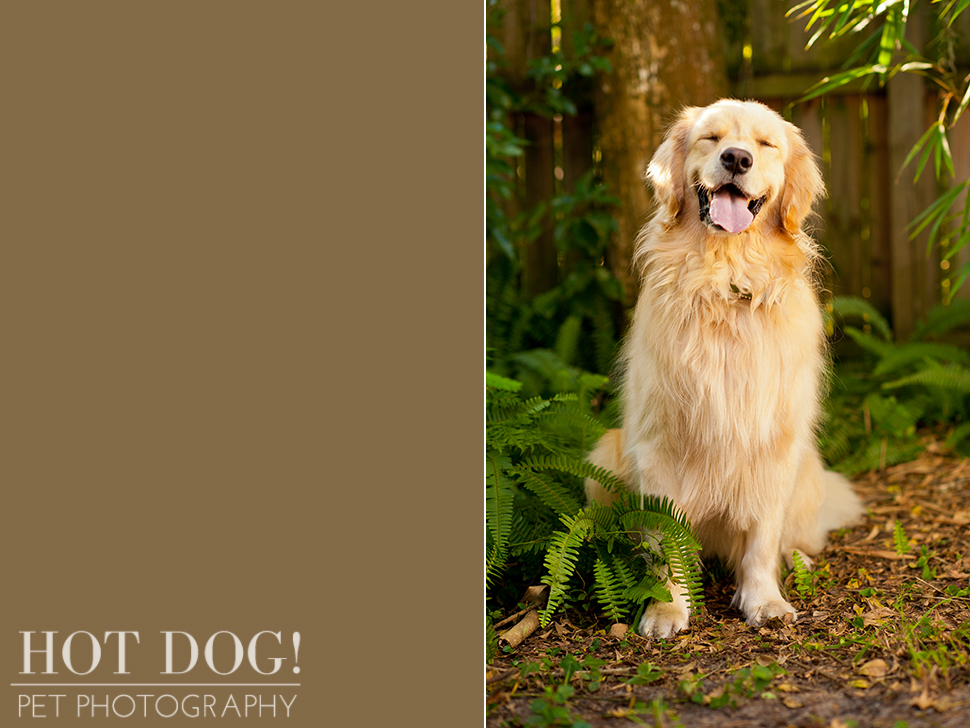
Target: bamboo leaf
916, 147
840, 79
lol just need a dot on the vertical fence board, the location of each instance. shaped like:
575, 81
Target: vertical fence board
843, 233
878, 180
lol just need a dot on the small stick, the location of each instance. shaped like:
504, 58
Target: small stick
514, 616
528, 625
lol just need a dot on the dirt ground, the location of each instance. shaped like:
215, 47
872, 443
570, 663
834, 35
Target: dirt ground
884, 640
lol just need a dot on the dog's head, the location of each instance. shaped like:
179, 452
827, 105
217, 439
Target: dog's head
737, 165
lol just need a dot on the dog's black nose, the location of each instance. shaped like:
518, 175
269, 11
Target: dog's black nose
736, 161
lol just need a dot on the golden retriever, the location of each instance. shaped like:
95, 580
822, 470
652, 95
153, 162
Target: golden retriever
724, 359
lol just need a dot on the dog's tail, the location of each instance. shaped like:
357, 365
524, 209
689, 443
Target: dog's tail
840, 504
608, 454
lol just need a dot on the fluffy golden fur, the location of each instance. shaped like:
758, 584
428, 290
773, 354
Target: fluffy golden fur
724, 359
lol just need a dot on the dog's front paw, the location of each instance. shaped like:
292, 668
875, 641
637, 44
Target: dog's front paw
779, 608
664, 619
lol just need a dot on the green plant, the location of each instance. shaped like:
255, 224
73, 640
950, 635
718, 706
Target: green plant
804, 578
879, 399
646, 674
535, 469
900, 541
744, 684
553, 710
884, 53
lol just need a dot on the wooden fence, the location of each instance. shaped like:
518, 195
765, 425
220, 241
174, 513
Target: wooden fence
861, 135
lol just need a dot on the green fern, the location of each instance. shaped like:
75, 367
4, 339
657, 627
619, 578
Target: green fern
804, 579
953, 377
560, 562
609, 591
548, 491
879, 402
498, 513
491, 639
567, 340
869, 342
679, 546
942, 319
853, 307
580, 469
649, 587
899, 539
919, 352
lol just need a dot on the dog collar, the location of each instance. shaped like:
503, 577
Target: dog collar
743, 295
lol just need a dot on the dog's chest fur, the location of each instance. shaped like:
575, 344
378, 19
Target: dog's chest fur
727, 378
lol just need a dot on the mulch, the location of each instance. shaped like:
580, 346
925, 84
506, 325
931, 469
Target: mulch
884, 638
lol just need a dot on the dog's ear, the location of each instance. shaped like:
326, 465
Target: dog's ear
803, 183
666, 170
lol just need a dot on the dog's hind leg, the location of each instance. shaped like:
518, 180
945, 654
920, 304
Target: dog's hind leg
608, 454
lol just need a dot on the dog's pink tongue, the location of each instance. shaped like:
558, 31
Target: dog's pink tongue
730, 212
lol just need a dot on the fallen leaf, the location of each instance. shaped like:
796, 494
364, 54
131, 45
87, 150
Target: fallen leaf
877, 616
788, 688
861, 684
874, 668
534, 594
792, 703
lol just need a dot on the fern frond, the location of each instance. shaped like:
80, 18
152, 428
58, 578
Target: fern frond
553, 494
498, 512
803, 577
602, 517
561, 561
880, 453
855, 307
530, 530
579, 468
649, 587
623, 572
499, 382
917, 352
952, 377
942, 319
630, 502
899, 539
567, 339
609, 591
869, 342
590, 426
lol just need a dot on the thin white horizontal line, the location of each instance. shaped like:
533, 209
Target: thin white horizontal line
155, 685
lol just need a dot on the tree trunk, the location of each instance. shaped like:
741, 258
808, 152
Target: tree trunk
667, 55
